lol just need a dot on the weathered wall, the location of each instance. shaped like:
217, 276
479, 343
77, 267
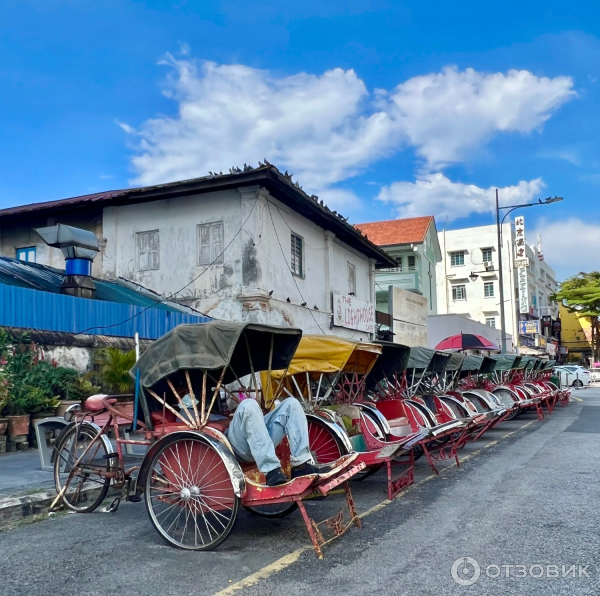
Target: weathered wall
256, 263
21, 234
81, 359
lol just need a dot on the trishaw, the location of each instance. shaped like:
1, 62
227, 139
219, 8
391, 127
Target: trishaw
191, 480
329, 375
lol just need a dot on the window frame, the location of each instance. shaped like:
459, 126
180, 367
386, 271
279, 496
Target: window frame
486, 285
216, 256
26, 250
455, 289
294, 254
410, 267
489, 250
138, 242
490, 319
351, 269
457, 252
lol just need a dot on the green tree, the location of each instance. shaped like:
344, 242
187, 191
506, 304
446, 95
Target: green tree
581, 294
114, 370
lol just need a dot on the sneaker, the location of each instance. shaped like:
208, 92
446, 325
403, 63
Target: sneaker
306, 469
276, 477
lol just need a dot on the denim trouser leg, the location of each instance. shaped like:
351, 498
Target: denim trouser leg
254, 436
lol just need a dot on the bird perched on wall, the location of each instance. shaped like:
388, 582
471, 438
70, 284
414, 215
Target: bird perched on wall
288, 300
271, 293
303, 304
316, 307
266, 162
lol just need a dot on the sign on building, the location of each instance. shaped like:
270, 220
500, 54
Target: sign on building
522, 263
352, 313
521, 270
409, 316
529, 327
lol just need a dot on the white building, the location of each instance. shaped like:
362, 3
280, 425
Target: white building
468, 281
248, 245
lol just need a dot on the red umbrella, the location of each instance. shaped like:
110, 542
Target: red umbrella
466, 341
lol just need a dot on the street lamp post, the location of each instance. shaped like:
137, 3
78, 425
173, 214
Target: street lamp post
500, 273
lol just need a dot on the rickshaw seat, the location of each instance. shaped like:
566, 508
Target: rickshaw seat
94, 402
170, 420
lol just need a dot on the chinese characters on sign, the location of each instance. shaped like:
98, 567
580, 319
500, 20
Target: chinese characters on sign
352, 313
520, 260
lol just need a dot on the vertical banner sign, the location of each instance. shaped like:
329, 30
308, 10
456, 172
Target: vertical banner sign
522, 271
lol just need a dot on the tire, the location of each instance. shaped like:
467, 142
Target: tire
272, 511
513, 414
85, 490
577, 383
189, 495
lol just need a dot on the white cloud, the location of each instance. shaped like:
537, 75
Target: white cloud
128, 129
438, 195
447, 114
328, 128
570, 245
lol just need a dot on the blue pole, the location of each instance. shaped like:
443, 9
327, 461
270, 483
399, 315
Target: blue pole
136, 399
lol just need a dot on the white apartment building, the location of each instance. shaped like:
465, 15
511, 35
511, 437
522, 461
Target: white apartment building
468, 281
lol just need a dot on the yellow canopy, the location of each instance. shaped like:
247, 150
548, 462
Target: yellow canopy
325, 354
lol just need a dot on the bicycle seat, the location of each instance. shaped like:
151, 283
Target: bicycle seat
94, 402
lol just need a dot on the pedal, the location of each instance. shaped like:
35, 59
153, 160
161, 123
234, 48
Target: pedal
134, 499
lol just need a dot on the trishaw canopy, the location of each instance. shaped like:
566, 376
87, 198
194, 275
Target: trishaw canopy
393, 361
455, 362
243, 347
427, 359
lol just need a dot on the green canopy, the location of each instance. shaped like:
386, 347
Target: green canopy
244, 347
455, 362
487, 366
505, 361
420, 358
471, 363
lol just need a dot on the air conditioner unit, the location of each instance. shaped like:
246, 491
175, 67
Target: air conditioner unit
489, 266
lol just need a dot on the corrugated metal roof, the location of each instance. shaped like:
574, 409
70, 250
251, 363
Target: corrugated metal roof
48, 279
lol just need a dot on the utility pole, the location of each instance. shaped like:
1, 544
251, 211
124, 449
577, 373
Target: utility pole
501, 280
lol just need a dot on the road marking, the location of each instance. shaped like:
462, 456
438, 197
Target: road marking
288, 560
265, 572
576, 398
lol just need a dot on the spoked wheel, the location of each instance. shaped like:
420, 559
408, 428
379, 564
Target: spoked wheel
513, 414
85, 486
273, 511
324, 445
189, 495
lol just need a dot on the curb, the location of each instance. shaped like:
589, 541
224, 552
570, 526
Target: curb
15, 509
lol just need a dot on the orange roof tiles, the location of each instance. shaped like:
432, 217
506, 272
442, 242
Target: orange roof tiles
397, 231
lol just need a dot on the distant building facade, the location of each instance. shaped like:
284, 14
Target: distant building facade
468, 285
415, 246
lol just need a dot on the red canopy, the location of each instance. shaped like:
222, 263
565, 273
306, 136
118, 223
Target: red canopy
466, 341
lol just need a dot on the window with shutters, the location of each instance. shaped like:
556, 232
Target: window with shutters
210, 243
488, 289
148, 249
412, 262
296, 262
459, 292
351, 279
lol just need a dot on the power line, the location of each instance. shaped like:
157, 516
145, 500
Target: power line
290, 269
166, 298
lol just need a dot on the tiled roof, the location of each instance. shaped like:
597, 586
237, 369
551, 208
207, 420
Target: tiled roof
397, 231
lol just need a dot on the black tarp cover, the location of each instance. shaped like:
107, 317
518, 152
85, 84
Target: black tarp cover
455, 362
213, 345
393, 360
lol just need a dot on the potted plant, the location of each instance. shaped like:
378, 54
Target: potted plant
3, 402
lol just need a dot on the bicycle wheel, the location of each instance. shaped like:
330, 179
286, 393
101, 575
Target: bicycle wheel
325, 447
86, 486
189, 495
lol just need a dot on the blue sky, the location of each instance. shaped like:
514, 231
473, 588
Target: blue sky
383, 108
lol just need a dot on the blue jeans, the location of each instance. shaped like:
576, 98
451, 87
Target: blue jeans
254, 436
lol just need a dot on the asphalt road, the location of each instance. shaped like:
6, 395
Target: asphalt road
527, 494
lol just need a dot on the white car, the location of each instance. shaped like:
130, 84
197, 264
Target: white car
595, 375
573, 375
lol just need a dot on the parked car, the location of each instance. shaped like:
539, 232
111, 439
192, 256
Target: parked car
573, 375
595, 373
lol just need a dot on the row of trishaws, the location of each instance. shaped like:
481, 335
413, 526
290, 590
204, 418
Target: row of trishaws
370, 407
